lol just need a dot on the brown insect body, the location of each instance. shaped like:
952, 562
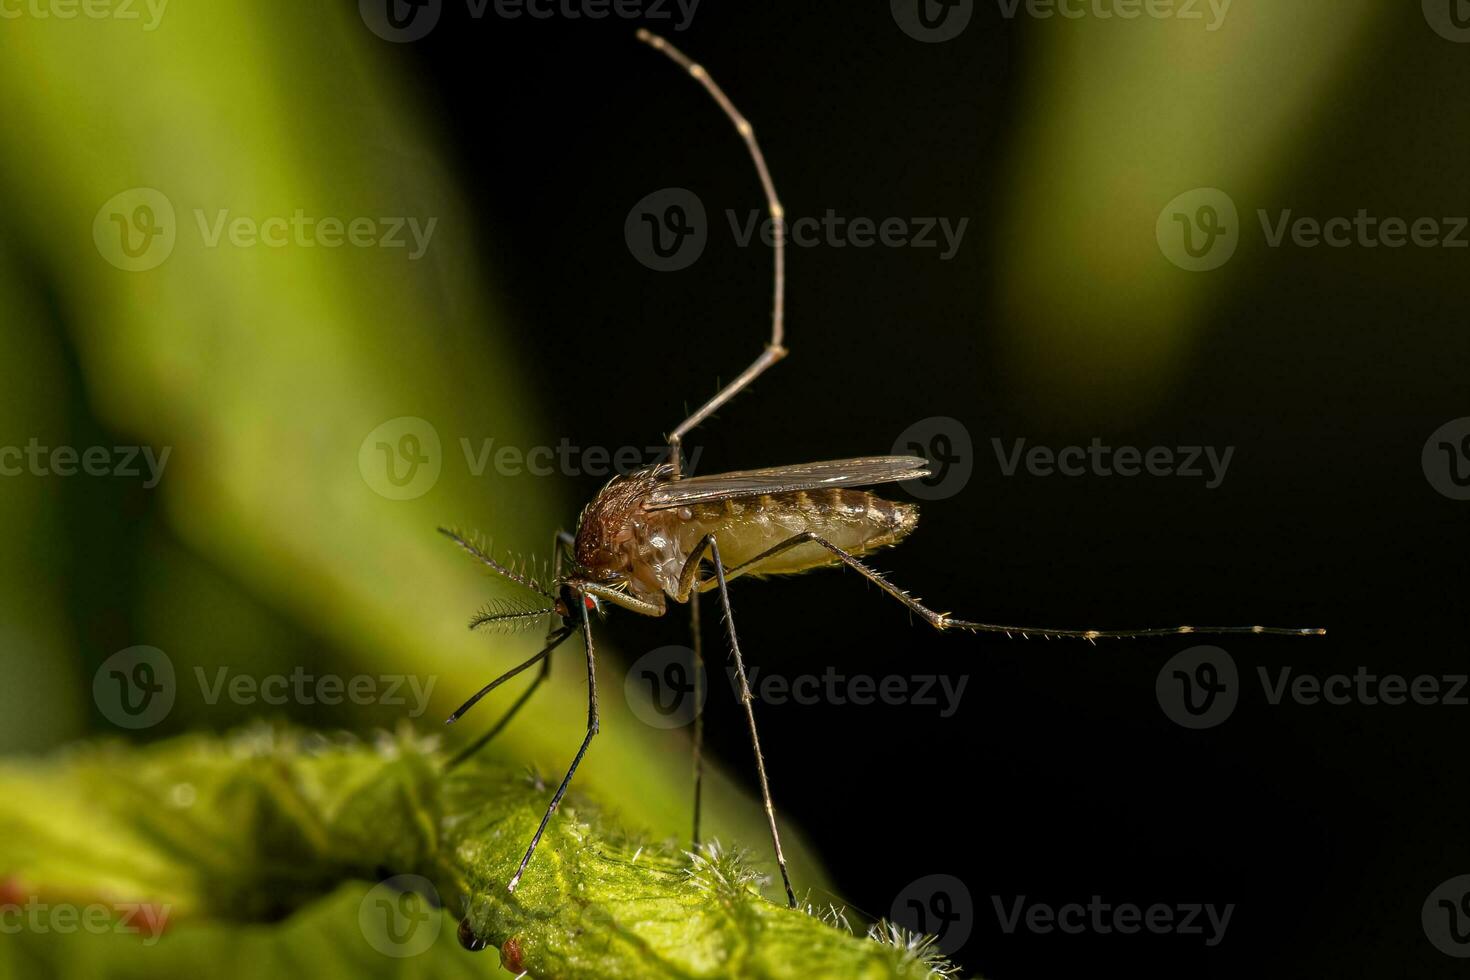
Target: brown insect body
625, 536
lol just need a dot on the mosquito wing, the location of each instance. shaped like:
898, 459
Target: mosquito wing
861, 472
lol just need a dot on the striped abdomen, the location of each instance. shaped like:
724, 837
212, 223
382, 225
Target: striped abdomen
744, 527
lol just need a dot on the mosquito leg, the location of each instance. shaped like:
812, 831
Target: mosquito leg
592, 728
687, 591
690, 570
554, 640
561, 542
746, 698
504, 720
944, 621
698, 640
774, 350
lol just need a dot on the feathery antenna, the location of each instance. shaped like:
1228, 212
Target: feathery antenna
479, 555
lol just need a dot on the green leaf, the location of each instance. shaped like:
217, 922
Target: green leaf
222, 857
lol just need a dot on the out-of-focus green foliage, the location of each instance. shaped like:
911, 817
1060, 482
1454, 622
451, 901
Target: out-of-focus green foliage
1124, 115
186, 847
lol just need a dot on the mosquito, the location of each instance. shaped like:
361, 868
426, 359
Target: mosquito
656, 535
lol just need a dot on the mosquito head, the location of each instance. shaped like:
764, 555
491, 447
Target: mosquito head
607, 532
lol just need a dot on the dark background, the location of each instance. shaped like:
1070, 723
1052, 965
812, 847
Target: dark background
1059, 778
